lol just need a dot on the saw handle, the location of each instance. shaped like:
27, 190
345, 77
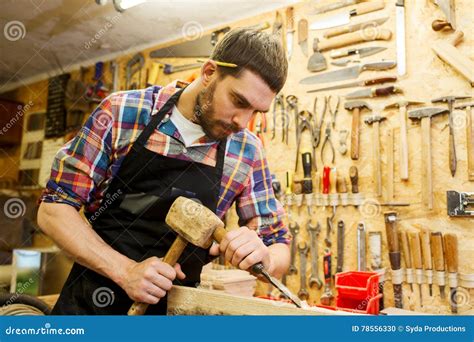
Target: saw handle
380, 80
170, 258
386, 91
354, 38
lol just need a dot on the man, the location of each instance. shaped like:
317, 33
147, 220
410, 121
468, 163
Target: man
141, 149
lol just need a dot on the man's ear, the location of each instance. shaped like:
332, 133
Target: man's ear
208, 72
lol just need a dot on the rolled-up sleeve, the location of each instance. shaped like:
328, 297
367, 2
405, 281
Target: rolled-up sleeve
82, 163
257, 206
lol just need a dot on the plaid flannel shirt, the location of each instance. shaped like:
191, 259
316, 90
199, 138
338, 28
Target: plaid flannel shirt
84, 167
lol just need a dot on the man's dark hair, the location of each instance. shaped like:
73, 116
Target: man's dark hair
254, 50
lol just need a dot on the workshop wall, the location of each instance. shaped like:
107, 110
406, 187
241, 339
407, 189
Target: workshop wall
427, 77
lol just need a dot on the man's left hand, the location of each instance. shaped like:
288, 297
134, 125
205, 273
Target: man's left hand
243, 248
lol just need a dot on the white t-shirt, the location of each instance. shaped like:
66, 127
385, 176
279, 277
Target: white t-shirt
190, 132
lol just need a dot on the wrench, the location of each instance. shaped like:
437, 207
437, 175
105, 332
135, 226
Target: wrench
294, 229
313, 231
303, 251
361, 248
340, 246
329, 227
327, 295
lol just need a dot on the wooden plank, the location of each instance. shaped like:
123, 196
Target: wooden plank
192, 301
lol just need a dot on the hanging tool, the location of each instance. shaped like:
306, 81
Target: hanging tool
401, 53
276, 187
304, 124
171, 69
452, 145
357, 52
313, 231
406, 257
279, 110
425, 114
115, 71
348, 73
303, 252
427, 261
294, 230
333, 110
390, 165
356, 107
307, 182
344, 62
316, 62
343, 133
402, 107
364, 26
460, 203
342, 190
361, 248
373, 92
394, 256
377, 162
298, 193
415, 246
354, 38
257, 125
449, 10
333, 6
354, 177
327, 140
200, 47
437, 250
289, 31
375, 250
362, 83
451, 249
303, 36
469, 138
292, 106
325, 185
318, 124
340, 246
327, 295
288, 194
333, 195
344, 17
134, 66
448, 52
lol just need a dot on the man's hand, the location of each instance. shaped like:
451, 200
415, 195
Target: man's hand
149, 280
243, 248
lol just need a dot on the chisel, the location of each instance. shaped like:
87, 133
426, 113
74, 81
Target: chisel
437, 251
415, 245
427, 261
451, 245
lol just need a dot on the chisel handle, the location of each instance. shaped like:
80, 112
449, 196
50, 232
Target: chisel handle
354, 38
437, 251
451, 245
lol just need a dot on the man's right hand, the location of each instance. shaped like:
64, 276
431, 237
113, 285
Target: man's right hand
149, 280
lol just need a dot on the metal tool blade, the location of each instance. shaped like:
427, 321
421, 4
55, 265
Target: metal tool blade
369, 51
304, 48
359, 93
448, 8
333, 21
401, 51
361, 26
259, 269
331, 76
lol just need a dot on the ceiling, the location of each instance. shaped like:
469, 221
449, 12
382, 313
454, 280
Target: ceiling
39, 35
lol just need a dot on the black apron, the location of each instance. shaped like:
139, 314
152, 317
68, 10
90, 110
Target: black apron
131, 219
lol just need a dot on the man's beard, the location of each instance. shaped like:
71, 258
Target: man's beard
204, 114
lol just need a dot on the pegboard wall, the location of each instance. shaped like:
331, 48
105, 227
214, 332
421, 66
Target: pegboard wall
427, 78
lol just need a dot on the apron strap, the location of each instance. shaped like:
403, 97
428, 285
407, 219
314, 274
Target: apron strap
156, 119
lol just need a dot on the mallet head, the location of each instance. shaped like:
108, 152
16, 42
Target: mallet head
356, 104
193, 221
426, 112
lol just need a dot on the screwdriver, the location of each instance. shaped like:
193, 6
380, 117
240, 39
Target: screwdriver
437, 252
288, 193
406, 257
307, 180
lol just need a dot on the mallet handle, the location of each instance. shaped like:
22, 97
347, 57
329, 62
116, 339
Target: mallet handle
170, 258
